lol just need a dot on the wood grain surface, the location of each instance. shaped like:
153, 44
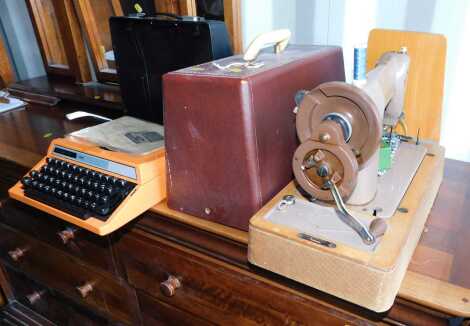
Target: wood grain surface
425, 85
6, 69
438, 276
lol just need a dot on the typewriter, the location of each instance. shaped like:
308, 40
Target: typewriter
94, 188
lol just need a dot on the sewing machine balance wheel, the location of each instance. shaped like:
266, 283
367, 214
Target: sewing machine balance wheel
316, 161
351, 108
339, 130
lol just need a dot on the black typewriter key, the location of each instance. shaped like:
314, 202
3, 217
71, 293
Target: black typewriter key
34, 184
65, 196
46, 189
57, 183
75, 179
86, 204
59, 193
69, 176
109, 190
26, 181
86, 172
48, 160
33, 174
83, 192
82, 181
40, 186
57, 172
64, 185
122, 183
93, 205
99, 176
63, 174
93, 174
103, 200
96, 185
62, 164
113, 180
90, 194
53, 190
70, 187
80, 169
68, 165
73, 199
45, 178
88, 183
51, 180
44, 168
103, 210
79, 201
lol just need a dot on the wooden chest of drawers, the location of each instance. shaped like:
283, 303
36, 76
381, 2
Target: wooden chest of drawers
49, 303
146, 275
108, 296
214, 290
79, 243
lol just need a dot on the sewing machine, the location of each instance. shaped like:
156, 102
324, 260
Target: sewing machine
349, 223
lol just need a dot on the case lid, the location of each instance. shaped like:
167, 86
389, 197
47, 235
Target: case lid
236, 67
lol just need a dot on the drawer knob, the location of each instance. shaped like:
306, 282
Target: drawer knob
85, 289
17, 254
67, 235
34, 297
170, 286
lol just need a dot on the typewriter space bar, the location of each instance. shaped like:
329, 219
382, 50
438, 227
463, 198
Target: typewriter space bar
57, 203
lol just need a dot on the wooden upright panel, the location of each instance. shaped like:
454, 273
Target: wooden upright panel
425, 88
232, 18
6, 72
94, 19
177, 7
75, 44
59, 37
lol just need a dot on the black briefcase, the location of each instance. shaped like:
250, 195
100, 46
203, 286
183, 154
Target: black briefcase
147, 47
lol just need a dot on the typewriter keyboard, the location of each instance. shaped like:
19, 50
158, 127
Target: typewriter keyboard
74, 189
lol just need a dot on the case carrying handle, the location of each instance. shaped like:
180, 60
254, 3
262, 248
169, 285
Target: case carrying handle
279, 37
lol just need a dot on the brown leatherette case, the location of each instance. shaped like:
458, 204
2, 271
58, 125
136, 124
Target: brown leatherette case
230, 130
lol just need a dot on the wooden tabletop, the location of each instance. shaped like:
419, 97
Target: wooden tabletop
438, 275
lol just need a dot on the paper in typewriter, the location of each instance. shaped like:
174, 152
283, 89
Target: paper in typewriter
126, 134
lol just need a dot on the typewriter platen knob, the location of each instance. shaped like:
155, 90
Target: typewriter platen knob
169, 287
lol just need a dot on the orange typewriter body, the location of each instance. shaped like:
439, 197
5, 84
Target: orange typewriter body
146, 174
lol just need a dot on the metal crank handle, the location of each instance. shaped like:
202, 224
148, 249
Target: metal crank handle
348, 218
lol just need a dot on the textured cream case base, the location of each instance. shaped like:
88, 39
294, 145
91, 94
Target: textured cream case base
367, 278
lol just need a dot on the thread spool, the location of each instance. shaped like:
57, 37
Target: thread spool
360, 65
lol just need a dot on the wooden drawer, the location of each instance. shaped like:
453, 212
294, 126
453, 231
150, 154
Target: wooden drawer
216, 291
155, 312
107, 296
49, 303
80, 243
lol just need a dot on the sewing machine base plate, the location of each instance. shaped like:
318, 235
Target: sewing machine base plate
393, 184
369, 278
